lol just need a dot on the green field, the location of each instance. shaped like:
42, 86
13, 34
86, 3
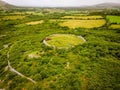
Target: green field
93, 65
113, 19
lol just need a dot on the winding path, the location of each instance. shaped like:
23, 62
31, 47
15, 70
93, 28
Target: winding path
15, 71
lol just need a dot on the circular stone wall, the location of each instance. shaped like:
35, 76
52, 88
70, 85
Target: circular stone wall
63, 40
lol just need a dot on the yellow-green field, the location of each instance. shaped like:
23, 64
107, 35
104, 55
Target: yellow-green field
27, 13
64, 40
52, 20
17, 13
115, 26
82, 17
34, 13
84, 14
35, 22
54, 10
83, 23
56, 20
30, 23
13, 17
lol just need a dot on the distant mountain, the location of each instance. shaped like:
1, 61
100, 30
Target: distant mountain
104, 6
108, 5
4, 5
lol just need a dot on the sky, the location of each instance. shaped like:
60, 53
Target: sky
57, 3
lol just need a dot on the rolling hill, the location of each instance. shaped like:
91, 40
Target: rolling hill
4, 5
107, 5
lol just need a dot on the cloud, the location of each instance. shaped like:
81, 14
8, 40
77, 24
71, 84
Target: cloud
57, 2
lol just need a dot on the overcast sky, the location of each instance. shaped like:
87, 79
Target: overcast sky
58, 3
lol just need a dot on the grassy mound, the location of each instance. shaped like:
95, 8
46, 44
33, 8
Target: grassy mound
63, 40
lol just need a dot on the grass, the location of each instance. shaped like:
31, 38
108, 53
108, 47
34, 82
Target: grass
34, 54
17, 13
64, 40
30, 23
113, 19
13, 17
35, 22
83, 23
34, 13
56, 20
82, 17
28, 13
113, 26
82, 14
54, 10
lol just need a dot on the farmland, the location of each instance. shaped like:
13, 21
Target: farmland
114, 26
113, 19
35, 22
12, 17
38, 13
82, 17
83, 23
93, 64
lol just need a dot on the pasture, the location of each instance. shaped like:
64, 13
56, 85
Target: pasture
13, 17
34, 22
113, 19
114, 26
63, 40
80, 14
53, 10
33, 13
83, 23
27, 13
30, 23
82, 17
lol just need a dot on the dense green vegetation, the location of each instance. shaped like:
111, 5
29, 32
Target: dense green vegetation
94, 65
113, 19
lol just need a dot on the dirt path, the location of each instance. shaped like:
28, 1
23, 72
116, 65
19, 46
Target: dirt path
15, 71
